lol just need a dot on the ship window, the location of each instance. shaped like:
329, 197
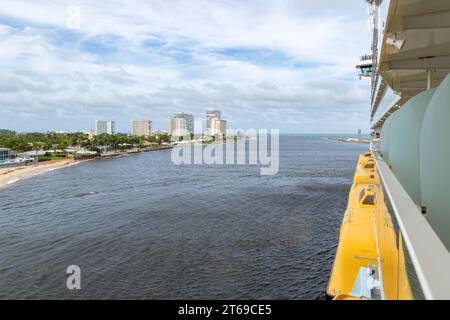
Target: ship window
361, 195
369, 166
369, 200
366, 69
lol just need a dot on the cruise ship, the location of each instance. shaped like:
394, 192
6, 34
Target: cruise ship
395, 236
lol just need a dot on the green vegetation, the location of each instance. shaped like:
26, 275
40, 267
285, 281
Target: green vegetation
223, 140
21, 142
52, 158
122, 141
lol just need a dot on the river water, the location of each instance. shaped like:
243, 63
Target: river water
140, 227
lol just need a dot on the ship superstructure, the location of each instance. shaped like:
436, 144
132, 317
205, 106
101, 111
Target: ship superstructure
398, 247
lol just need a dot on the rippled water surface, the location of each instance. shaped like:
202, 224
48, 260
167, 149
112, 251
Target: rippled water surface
141, 227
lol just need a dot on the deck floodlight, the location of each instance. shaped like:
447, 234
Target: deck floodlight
398, 44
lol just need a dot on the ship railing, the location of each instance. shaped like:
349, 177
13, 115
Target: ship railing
427, 259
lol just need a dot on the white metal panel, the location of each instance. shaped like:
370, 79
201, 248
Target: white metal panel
429, 256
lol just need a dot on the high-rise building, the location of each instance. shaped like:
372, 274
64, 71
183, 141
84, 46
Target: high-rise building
141, 128
214, 127
189, 120
178, 127
211, 114
218, 127
102, 127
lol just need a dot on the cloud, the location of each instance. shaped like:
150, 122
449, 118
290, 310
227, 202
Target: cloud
266, 64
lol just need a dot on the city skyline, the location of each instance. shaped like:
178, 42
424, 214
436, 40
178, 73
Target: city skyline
180, 121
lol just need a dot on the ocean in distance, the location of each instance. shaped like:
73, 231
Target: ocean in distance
140, 227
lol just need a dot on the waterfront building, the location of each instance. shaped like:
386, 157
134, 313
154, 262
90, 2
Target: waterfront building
218, 127
103, 149
102, 127
5, 154
160, 132
181, 124
150, 144
214, 127
32, 154
189, 120
178, 127
210, 115
141, 128
91, 134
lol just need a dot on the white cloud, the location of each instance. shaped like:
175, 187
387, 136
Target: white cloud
274, 62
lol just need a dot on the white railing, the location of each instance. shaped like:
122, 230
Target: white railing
429, 256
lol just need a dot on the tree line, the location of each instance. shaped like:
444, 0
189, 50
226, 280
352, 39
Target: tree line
21, 142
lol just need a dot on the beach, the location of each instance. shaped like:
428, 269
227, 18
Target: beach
9, 176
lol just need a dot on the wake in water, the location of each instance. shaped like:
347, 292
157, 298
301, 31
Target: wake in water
12, 181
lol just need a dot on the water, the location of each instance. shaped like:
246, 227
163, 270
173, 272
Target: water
140, 227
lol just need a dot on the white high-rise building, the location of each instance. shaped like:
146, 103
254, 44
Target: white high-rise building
189, 120
218, 127
211, 114
178, 127
102, 127
141, 128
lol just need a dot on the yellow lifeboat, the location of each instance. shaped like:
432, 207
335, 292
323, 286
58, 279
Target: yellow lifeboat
366, 171
368, 263
364, 157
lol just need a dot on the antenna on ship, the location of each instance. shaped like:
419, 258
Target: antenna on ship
367, 64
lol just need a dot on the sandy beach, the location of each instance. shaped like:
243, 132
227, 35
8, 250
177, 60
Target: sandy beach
9, 176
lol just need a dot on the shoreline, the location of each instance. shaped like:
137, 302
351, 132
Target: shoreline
112, 154
9, 176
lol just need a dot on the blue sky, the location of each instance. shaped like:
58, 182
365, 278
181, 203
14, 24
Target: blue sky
265, 64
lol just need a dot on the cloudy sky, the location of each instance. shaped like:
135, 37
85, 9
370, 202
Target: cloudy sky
265, 64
